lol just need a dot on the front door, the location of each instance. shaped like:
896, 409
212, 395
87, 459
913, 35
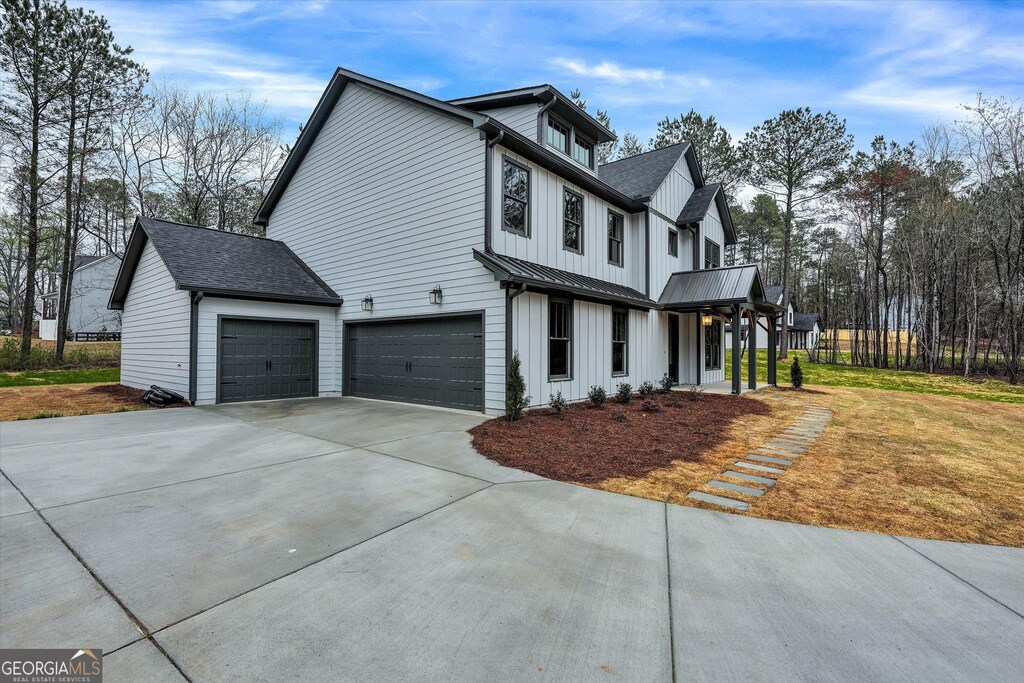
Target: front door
673, 347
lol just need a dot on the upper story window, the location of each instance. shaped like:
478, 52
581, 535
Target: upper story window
558, 135
559, 339
673, 242
50, 309
615, 238
713, 346
572, 221
712, 255
583, 151
620, 341
515, 205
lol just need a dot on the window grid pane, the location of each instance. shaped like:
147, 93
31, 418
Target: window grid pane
620, 339
615, 234
583, 152
713, 347
673, 243
560, 338
558, 136
516, 198
572, 226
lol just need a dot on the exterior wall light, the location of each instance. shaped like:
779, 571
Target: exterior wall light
368, 303
435, 294
706, 320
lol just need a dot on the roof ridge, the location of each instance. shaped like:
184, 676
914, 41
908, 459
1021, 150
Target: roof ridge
650, 151
212, 229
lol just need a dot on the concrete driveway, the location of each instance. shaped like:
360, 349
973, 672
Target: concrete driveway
344, 539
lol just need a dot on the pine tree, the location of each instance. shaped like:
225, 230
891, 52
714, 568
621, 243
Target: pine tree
796, 373
516, 399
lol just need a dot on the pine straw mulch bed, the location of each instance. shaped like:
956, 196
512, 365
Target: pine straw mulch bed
590, 445
56, 400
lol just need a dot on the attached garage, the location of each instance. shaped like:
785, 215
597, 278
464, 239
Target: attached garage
434, 361
261, 359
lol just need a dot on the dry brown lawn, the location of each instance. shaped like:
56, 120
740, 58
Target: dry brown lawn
23, 403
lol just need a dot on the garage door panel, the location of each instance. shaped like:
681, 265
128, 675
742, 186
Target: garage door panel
435, 361
265, 359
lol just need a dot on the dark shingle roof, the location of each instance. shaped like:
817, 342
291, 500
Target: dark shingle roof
548, 278
773, 293
698, 204
640, 176
694, 289
804, 322
224, 263
83, 260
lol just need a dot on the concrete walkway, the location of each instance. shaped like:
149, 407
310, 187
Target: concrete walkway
344, 539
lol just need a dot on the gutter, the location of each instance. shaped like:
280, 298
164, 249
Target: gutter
541, 118
489, 186
193, 346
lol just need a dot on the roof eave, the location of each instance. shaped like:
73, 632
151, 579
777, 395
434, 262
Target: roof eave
261, 296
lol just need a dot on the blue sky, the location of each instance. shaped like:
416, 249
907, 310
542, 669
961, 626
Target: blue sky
889, 69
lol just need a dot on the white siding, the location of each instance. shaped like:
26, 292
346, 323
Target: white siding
669, 200
389, 202
522, 118
544, 243
591, 348
154, 328
711, 228
90, 294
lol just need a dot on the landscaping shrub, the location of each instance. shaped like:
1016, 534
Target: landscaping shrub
666, 383
624, 392
695, 392
675, 400
558, 402
646, 390
796, 373
619, 415
651, 406
516, 400
597, 395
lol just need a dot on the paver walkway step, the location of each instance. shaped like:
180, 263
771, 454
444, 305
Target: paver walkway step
735, 488
777, 451
750, 477
759, 468
718, 500
767, 458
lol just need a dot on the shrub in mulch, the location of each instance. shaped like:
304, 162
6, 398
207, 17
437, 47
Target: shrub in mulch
590, 445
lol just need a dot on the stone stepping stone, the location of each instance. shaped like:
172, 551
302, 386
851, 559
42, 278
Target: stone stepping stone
718, 500
767, 458
759, 468
750, 477
785, 446
796, 438
777, 452
793, 442
735, 488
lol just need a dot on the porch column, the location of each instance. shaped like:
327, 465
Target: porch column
772, 353
736, 359
752, 352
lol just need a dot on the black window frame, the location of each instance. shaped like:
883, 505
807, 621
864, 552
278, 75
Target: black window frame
566, 323
584, 142
49, 308
505, 196
553, 122
673, 242
718, 252
566, 192
623, 341
713, 340
614, 216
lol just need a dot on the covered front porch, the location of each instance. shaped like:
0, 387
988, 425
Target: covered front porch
730, 296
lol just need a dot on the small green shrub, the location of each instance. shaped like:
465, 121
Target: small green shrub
516, 400
695, 392
646, 390
624, 392
597, 395
666, 383
41, 416
558, 402
651, 406
619, 416
796, 373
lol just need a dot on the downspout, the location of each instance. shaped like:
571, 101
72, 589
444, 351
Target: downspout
488, 187
509, 296
647, 252
697, 264
540, 119
193, 346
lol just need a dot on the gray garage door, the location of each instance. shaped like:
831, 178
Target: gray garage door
263, 359
437, 361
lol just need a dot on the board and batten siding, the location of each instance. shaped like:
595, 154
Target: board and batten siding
522, 118
543, 243
155, 328
210, 308
388, 203
647, 349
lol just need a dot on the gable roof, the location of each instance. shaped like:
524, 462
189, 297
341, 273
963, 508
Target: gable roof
640, 176
773, 293
545, 278
696, 289
220, 263
804, 322
699, 203
83, 260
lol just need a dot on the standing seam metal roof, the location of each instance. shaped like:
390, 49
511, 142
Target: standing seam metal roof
735, 284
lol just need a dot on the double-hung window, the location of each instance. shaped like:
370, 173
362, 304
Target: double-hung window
615, 238
673, 242
559, 339
712, 254
515, 206
713, 346
572, 221
558, 135
620, 341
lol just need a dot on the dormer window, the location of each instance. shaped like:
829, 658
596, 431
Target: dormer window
558, 135
583, 151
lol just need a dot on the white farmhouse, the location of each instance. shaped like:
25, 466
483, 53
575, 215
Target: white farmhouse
90, 291
413, 245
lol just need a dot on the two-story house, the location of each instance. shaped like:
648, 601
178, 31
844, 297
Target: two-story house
413, 245
804, 328
88, 315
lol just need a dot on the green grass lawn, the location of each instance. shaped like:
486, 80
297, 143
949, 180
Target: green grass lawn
42, 377
895, 380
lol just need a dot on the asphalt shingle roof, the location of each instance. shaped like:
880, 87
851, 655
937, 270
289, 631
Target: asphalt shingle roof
773, 293
697, 205
804, 322
640, 176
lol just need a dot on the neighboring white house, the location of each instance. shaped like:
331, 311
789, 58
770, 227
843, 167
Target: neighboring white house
804, 328
90, 292
413, 245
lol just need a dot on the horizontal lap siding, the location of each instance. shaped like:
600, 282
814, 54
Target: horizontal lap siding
522, 118
90, 295
544, 244
591, 348
155, 328
211, 307
389, 202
